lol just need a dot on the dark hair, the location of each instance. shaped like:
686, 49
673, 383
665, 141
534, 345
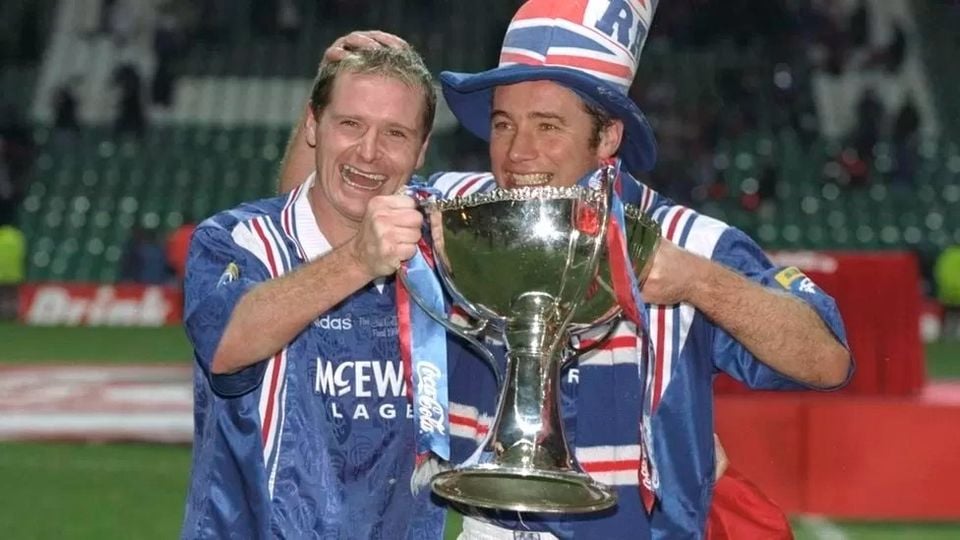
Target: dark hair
403, 64
600, 119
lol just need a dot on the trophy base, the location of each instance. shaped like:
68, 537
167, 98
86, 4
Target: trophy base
524, 490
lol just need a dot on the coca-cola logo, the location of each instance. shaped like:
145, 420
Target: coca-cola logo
432, 416
99, 306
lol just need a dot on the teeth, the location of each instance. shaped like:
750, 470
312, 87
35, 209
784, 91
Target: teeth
531, 179
354, 170
346, 171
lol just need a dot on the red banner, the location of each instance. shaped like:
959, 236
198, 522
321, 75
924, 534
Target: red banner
89, 304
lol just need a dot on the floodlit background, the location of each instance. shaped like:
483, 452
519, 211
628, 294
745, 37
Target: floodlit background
829, 130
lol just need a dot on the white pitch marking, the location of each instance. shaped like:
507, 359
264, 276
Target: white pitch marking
822, 528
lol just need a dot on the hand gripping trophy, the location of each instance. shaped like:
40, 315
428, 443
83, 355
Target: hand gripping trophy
553, 242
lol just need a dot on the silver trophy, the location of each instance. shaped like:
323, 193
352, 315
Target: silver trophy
529, 265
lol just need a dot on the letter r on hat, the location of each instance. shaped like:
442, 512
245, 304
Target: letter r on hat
624, 21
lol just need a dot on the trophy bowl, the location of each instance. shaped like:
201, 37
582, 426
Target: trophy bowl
505, 248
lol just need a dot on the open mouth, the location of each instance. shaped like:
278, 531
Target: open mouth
361, 180
529, 179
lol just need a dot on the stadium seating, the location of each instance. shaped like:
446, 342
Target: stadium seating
939, 21
87, 192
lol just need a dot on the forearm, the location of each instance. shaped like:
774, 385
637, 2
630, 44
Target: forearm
269, 316
779, 329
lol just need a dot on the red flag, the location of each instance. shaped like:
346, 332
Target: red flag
741, 510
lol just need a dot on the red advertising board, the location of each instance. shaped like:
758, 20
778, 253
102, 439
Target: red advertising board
91, 304
878, 294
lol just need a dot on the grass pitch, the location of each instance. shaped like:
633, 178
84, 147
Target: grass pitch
122, 491
88, 491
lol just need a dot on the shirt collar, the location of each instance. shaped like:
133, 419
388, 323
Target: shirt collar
306, 233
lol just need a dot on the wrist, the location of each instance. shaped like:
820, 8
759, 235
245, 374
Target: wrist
702, 278
354, 261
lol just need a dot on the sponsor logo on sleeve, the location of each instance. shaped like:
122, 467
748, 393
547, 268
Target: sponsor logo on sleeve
793, 279
806, 286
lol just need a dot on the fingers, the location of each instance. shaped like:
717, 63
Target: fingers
388, 40
334, 53
350, 42
405, 252
398, 210
359, 40
398, 201
405, 223
721, 456
362, 39
390, 233
669, 274
398, 244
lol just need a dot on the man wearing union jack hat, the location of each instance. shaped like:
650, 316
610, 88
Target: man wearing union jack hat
553, 111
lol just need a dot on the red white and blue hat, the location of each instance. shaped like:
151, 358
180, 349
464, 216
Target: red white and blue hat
589, 46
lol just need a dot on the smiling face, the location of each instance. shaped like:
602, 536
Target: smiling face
367, 141
540, 134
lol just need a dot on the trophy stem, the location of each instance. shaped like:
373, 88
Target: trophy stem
526, 463
529, 423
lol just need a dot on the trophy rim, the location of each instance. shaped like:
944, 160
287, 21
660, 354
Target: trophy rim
520, 194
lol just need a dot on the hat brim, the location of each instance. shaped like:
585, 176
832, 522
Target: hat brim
470, 98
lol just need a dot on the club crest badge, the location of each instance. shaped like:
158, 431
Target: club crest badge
230, 273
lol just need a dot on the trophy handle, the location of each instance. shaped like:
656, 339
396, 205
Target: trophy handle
466, 332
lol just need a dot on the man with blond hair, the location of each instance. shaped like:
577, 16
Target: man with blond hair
302, 424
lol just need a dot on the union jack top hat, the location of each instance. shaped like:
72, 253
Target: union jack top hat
589, 46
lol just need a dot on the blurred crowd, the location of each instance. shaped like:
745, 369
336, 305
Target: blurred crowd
154, 258
17, 154
16, 159
762, 57
765, 54
779, 46
759, 62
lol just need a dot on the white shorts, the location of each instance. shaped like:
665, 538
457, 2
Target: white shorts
474, 529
